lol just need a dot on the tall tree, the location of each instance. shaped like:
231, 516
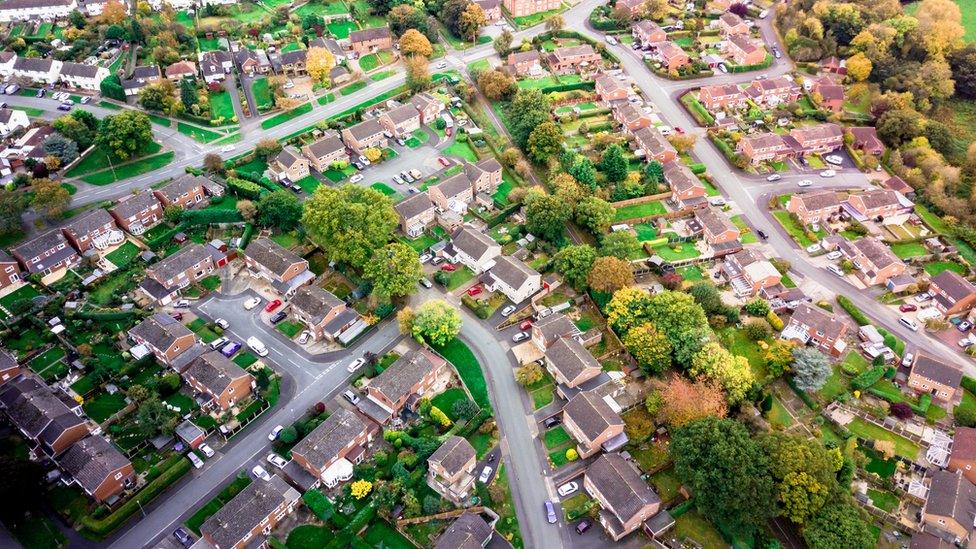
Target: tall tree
613, 164
555, 23
49, 198
940, 26
319, 61
125, 134
471, 21
678, 316
838, 525
620, 244
545, 141
12, 206
111, 87
583, 171
804, 471
394, 270
649, 347
684, 401
413, 42
350, 222
595, 214
574, 263
496, 84
629, 308
75, 130
810, 368
436, 322
60, 147
713, 362
280, 209
160, 97
503, 42
528, 109
418, 73
610, 274
546, 215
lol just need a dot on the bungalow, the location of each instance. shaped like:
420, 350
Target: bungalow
763, 147
492, 10
748, 273
744, 50
165, 337
329, 452
593, 424
366, 134
631, 117
180, 70
36, 69
251, 515
952, 294
137, 212
773, 91
370, 40
718, 228
450, 470
874, 261
48, 253
950, 507
428, 106
552, 328
186, 191
648, 32
82, 76
721, 96
322, 152
865, 139
626, 500
11, 120
672, 56
874, 204
289, 165
933, 376
282, 268
814, 207
472, 248
524, 62
569, 363
25, 10
222, 383
165, 279
730, 24
654, 145
325, 315
687, 191
573, 59
10, 278
521, 8
48, 418
963, 456
401, 121
611, 88
513, 278
96, 229
819, 139
98, 468
410, 378
416, 213
814, 326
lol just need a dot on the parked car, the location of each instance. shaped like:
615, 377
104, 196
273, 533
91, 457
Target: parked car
526, 324
834, 255
415, 173
444, 162
762, 234
804, 183
836, 270
814, 248
252, 303
182, 304
723, 68
277, 461
356, 178
907, 359
425, 257
964, 326
552, 421
278, 317
442, 64
923, 297
774, 177
218, 343
397, 180
967, 341
65, 107
223, 324
304, 337
567, 489
255, 345
776, 53
828, 173
183, 537
474, 290
356, 364
363, 160
437, 260
176, 316
207, 450
352, 397
907, 308
521, 336
296, 188
508, 310
272, 305
274, 432
448, 267
260, 473
583, 526
41, 92
195, 460
550, 512
485, 474
834, 159
909, 323
231, 349
426, 283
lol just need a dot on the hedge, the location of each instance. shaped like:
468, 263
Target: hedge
852, 310
106, 315
105, 526
746, 68
244, 188
807, 399
868, 377
246, 237
969, 384
163, 238
208, 216
589, 85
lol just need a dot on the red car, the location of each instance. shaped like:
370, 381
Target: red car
448, 267
907, 308
449, 131
525, 325
678, 129
444, 162
474, 290
272, 306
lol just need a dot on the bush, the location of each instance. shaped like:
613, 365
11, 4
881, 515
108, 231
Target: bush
852, 310
243, 188
318, 504
965, 416
775, 321
969, 384
901, 410
757, 330
757, 307
288, 435
868, 377
572, 454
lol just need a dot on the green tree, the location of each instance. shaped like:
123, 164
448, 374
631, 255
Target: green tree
153, 417
60, 147
706, 295
595, 214
125, 134
503, 42
613, 164
188, 92
681, 319
280, 209
75, 130
546, 215
583, 171
528, 110
544, 142
650, 348
173, 213
111, 87
349, 221
778, 358
574, 263
810, 368
394, 270
804, 472
12, 207
160, 97
629, 308
715, 363
49, 198
654, 172
838, 525
436, 322
621, 244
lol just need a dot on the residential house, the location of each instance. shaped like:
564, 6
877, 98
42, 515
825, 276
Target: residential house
98, 467
749, 273
250, 516
165, 337
453, 194
221, 382
819, 139
573, 59
654, 145
339, 75
898, 184
83, 76
401, 121
828, 95
468, 531
935, 377
611, 88
282, 268
814, 326
687, 191
963, 456
631, 117
186, 191
180, 70
632, 6
216, 65
952, 294
773, 91
11, 120
814, 207
648, 32
428, 106
513, 278
48, 418
473, 249
165, 279
450, 470
874, 204
370, 40
626, 500
521, 8
251, 62
366, 134
524, 62
834, 64
762, 147
141, 77
593, 424
950, 507
417, 213
730, 24
293, 62
411, 377
322, 152
10, 278
137, 212
325, 315
721, 96
9, 369
26, 10
718, 228
874, 262
37, 69
925, 540
672, 56
865, 139
569, 363
329, 452
95, 229
7, 60
744, 50
552, 328
485, 175
289, 165
492, 10
45, 254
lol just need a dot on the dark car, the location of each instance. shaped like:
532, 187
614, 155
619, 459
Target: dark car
551, 422
583, 526
278, 317
762, 234
41, 92
183, 537
907, 308
64, 107
492, 458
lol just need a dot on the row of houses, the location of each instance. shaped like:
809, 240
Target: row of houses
805, 140
80, 76
446, 202
562, 60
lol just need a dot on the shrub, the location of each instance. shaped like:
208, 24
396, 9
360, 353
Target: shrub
757, 330
868, 377
288, 435
852, 310
572, 454
243, 188
901, 410
775, 321
965, 416
757, 307
318, 504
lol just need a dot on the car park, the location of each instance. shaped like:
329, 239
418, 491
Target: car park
485, 474
252, 303
774, 177
195, 460
278, 317
207, 450
521, 336
834, 159
183, 537
260, 473
828, 173
356, 364
304, 337
567, 489
275, 432
907, 308
223, 324
255, 345
231, 349
277, 461
352, 397
507, 311
804, 183
218, 343
272, 305
550, 512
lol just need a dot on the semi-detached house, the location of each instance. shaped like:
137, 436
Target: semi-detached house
167, 339
950, 507
721, 96
687, 191
98, 468
814, 207
282, 268
874, 262
401, 121
413, 376
186, 191
325, 315
137, 213
49, 419
248, 519
329, 452
82, 76
876, 203
289, 165
371, 40
572, 59
47, 10
935, 377
773, 91
48, 253
35, 69
593, 424
626, 500
570, 364
222, 383
611, 88
366, 134
472, 248
952, 295
654, 145
322, 152
96, 229
11, 120
819, 139
417, 213
165, 279
521, 8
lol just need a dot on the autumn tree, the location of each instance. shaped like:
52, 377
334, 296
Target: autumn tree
113, 13
649, 347
610, 274
405, 317
778, 357
545, 141
213, 163
629, 308
555, 22
683, 143
654, 9
713, 362
496, 84
804, 472
394, 270
49, 198
318, 62
684, 401
595, 214
413, 42
418, 73
436, 322
940, 26
160, 97
471, 21
620, 244
858, 67
503, 42
349, 221
12, 207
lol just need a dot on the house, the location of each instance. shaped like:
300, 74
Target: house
632, 6
952, 294
180, 70
950, 507
513, 278
251, 515
428, 106
186, 191
492, 10
654, 145
672, 56
324, 151
141, 77
572, 59
569, 363
216, 65
10, 278
366, 134
472, 248
9, 369
282, 268
648, 32
45, 254
828, 95
164, 336
222, 383
137, 212
289, 165
718, 228
865, 139
819, 139
762, 147
834, 64
98, 468
293, 62
521, 8
468, 531
417, 213
11, 120
874, 204
721, 96
48, 418
611, 88
963, 456
329, 452
7, 60
96, 229
250, 62
925, 540
165, 279
631, 117
935, 377
524, 62
485, 175
24, 10
411, 377
748, 273
83, 76
898, 184
687, 190
744, 50
36, 69
814, 207
552, 328
401, 121
730, 24
593, 424
814, 326
626, 500
773, 91
874, 261
325, 315
450, 470
370, 40
454, 193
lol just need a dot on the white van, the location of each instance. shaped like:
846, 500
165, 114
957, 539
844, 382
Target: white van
909, 323
255, 345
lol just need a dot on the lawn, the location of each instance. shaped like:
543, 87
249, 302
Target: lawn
666, 483
383, 536
121, 256
739, 344
202, 135
838, 383
870, 431
905, 250
534, 19
24, 292
886, 501
353, 88
746, 234
131, 169
371, 61
290, 328
262, 94
445, 401
968, 402
691, 273
308, 183
543, 396
778, 415
464, 361
554, 438
286, 116
635, 211
423, 242
47, 359
418, 138
937, 267
458, 278
384, 188
104, 406
221, 106
693, 526
37, 532
461, 150
793, 228
677, 251
341, 29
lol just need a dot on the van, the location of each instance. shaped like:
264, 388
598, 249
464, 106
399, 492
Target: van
763, 14
255, 345
11, 89
908, 323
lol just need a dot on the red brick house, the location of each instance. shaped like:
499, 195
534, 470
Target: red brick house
819, 139
46, 254
874, 262
49, 419
952, 294
814, 326
829, 95
593, 424
570, 364
773, 91
185, 191
655, 145
686, 189
251, 514
963, 456
370, 40
935, 377
334, 446
573, 59
190, 264
165, 337
412, 377
610, 88
672, 56
865, 139
721, 96
648, 32
718, 228
748, 273
98, 467
282, 268
137, 213
324, 314
730, 24
631, 117
524, 62
626, 500
10, 278
876, 203
220, 379
762, 147
9, 368
744, 51
96, 229
814, 207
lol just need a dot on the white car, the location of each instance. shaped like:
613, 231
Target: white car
252, 303
442, 65
86, 100
352, 397
836, 270
227, 148
485, 474
774, 177
426, 257
277, 461
907, 359
508, 310
288, 85
182, 304
255, 345
909, 323
222, 323
356, 364
814, 248
967, 341
828, 173
612, 41
275, 432
923, 297
567, 489
195, 460
356, 178
834, 159
260, 473
521, 336
834, 255
207, 450
804, 183
363, 160
218, 343
304, 337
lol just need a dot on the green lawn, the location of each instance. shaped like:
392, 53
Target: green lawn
286, 116
370, 61
739, 344
792, 227
47, 359
24, 292
308, 183
290, 328
37, 532
937, 267
677, 251
418, 138
104, 406
691, 273
353, 88
445, 401
202, 135
384, 188
635, 211
666, 483
458, 278
886, 501
905, 250
461, 150
222, 106
464, 361
341, 29
693, 526
309, 536
746, 234
262, 94
381, 535
131, 169
779, 416
556, 437
863, 429
122, 255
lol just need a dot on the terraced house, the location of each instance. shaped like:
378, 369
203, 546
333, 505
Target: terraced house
744, 50
721, 96
521, 8
49, 419
952, 295
94, 230
137, 213
98, 468
876, 203
222, 383
329, 452
24, 10
763, 147
610, 88
284, 269
370, 40
9, 369
46, 254
874, 262
631, 117
773, 91
248, 519
819, 139
648, 32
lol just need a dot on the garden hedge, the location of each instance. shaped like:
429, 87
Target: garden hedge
208, 216
852, 310
244, 188
868, 377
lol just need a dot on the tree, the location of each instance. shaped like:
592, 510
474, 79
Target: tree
267, 147
778, 357
622, 16
574, 263
583, 171
804, 472
613, 164
838, 525
654, 172
810, 368
412, 42
544, 142
650, 348
418, 73
496, 84
394, 270
405, 317
189, 95
683, 401
546, 215
159, 97
940, 26
12, 206
318, 504
248, 210
288, 435
610, 274
655, 9
436, 323
503, 42
360, 488
280, 209
49, 198
529, 374
74, 129
153, 417
555, 23
858, 67
77, 19
349, 221
728, 473
125, 134
173, 213
621, 244
715, 363
629, 308
318, 62
528, 109
595, 214
963, 65
706, 295
213, 163
464, 408
21, 483
471, 21
113, 13
898, 126
60, 147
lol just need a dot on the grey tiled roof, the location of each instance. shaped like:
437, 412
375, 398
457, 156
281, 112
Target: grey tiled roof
37, 246
271, 255
620, 483
453, 455
680, 177
403, 113
472, 242
366, 128
556, 326
571, 359
87, 223
326, 146
214, 371
819, 200
512, 271
246, 510
160, 330
715, 222
952, 495
180, 261
822, 321
414, 205
953, 284
325, 442
399, 379
375, 33
315, 302
469, 531
592, 414
184, 184
91, 461
80, 70
33, 407
32, 64
937, 370
454, 185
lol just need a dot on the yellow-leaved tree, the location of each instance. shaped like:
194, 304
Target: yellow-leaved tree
318, 62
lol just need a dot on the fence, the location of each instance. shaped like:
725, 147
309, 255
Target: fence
641, 200
439, 516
